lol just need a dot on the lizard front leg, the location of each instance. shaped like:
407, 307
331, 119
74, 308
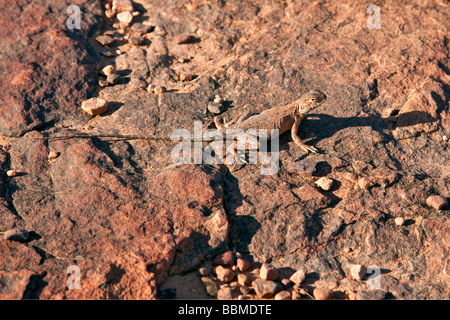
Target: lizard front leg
296, 138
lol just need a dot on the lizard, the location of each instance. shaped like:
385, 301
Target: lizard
283, 118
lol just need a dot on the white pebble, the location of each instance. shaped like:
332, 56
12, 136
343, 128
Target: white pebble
399, 221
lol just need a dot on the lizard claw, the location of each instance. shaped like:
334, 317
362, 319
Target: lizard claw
310, 149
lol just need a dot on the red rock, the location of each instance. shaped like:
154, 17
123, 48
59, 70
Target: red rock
298, 276
283, 295
184, 39
322, 293
224, 259
224, 274
437, 202
268, 272
243, 265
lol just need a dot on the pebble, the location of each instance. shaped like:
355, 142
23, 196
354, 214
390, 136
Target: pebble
12, 173
244, 289
16, 235
399, 221
113, 78
53, 155
104, 40
109, 69
219, 99
211, 287
103, 83
243, 265
265, 288
204, 271
283, 295
125, 17
136, 40
226, 293
94, 106
224, 259
358, 272
325, 183
184, 39
186, 77
215, 107
268, 272
286, 282
322, 293
122, 5
437, 202
141, 28
224, 274
159, 89
390, 112
245, 279
298, 276
151, 88
444, 138
107, 53
109, 13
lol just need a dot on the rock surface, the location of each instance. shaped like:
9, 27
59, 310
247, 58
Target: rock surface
134, 222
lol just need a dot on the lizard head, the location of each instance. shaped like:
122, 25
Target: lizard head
309, 101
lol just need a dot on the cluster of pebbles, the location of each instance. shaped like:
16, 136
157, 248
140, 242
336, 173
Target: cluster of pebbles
227, 278
120, 14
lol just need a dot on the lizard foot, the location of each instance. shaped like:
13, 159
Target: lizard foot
309, 149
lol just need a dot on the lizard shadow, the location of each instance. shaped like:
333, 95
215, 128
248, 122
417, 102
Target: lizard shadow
242, 227
324, 126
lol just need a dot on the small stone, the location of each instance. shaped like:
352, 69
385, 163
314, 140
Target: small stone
219, 99
104, 40
113, 78
124, 17
358, 272
322, 293
244, 289
12, 173
16, 235
211, 287
444, 138
307, 167
184, 39
325, 183
224, 274
298, 276
226, 293
215, 107
107, 53
204, 271
151, 88
136, 13
109, 13
243, 297
243, 265
283, 295
245, 279
109, 69
122, 5
268, 272
437, 202
136, 40
53, 155
224, 259
159, 89
94, 106
371, 295
186, 77
399, 221
103, 83
141, 28
265, 288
